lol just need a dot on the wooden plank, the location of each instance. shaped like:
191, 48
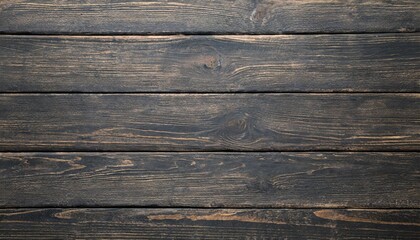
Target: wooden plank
302, 180
134, 223
209, 122
291, 63
216, 16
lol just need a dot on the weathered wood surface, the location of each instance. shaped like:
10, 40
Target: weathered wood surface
297, 180
216, 16
291, 63
210, 134
134, 223
209, 122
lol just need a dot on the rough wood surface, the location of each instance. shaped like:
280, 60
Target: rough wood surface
209, 122
215, 16
292, 63
378, 180
114, 125
137, 223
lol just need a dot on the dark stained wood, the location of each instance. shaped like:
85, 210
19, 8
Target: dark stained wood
137, 223
378, 180
192, 119
291, 63
215, 16
209, 122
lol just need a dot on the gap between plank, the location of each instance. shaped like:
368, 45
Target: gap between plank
204, 93
193, 207
219, 151
92, 34
200, 93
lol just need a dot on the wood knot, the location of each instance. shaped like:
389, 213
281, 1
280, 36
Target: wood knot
237, 123
212, 62
237, 127
262, 12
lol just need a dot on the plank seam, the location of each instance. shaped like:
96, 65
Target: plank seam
193, 207
207, 92
217, 151
199, 33
203, 93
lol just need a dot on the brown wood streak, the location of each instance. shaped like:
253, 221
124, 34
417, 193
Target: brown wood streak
334, 215
216, 16
325, 180
221, 216
292, 63
216, 122
120, 223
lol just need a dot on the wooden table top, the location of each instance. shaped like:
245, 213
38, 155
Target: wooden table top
210, 119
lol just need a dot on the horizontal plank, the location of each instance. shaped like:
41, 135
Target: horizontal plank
303, 180
281, 63
216, 16
209, 122
134, 223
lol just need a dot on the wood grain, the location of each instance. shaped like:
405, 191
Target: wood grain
159, 144
292, 63
209, 122
293, 180
137, 223
216, 16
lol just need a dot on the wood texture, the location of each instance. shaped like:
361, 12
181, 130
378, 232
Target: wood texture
216, 16
209, 122
292, 63
208, 224
192, 119
297, 180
